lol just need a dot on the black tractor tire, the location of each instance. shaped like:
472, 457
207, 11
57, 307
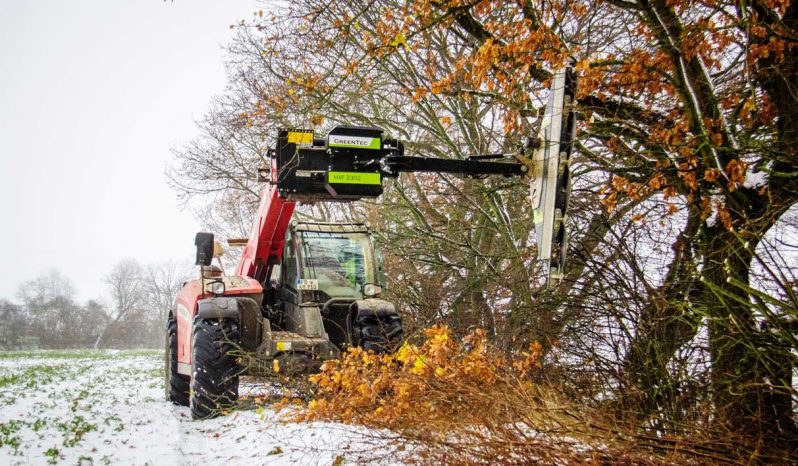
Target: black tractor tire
214, 380
380, 335
175, 384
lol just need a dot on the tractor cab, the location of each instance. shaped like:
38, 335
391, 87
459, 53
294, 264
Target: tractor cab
332, 270
335, 261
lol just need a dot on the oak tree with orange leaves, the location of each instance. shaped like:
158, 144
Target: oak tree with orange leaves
691, 103
686, 163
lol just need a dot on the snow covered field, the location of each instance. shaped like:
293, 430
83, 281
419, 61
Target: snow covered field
107, 407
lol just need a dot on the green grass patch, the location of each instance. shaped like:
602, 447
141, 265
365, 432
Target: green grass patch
52, 455
35, 376
8, 434
75, 429
8, 379
77, 354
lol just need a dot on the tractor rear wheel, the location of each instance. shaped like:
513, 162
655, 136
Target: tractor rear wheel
380, 335
214, 380
176, 385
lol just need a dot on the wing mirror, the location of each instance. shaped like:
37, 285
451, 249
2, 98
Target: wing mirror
204, 244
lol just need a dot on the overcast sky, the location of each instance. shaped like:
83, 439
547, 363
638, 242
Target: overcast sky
93, 94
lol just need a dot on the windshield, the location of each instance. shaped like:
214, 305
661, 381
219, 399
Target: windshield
340, 263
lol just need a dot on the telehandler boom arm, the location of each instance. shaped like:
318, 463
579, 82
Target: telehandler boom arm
265, 245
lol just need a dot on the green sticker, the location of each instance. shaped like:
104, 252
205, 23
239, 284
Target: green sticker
353, 178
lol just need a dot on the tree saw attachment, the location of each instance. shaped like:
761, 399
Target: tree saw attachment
550, 188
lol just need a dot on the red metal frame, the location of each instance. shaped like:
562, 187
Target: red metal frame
264, 249
186, 309
265, 245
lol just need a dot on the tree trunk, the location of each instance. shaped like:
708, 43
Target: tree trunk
750, 386
666, 324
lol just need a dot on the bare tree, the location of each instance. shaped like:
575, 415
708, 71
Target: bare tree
127, 289
162, 281
45, 288
13, 325
51, 318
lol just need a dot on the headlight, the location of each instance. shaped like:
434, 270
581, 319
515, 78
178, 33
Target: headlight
371, 290
217, 288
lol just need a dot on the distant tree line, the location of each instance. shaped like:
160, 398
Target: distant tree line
48, 315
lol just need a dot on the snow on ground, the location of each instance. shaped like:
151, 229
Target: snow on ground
107, 407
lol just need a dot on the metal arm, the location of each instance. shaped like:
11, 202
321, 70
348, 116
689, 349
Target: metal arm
266, 239
473, 167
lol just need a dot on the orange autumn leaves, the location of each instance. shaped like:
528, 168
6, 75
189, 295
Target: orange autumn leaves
442, 378
502, 53
688, 174
499, 65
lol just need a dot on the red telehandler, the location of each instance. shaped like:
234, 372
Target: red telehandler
304, 292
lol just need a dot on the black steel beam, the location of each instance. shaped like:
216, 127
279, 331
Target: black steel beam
397, 164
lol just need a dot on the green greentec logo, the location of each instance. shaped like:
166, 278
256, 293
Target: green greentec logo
353, 142
353, 178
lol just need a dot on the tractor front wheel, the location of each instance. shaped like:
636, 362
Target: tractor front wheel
380, 335
176, 384
214, 380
